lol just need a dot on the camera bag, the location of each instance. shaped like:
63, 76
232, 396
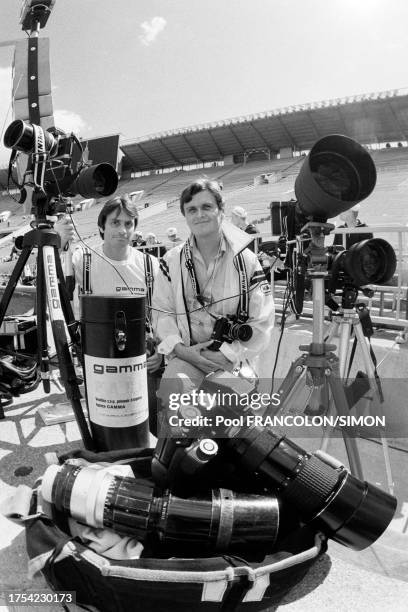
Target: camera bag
18, 373
224, 582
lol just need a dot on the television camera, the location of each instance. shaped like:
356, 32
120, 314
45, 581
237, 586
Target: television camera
337, 174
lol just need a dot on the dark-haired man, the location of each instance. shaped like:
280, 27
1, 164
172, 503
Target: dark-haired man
211, 275
116, 268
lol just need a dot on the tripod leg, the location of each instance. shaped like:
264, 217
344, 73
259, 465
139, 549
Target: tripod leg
13, 280
344, 329
42, 325
71, 323
67, 369
342, 409
370, 371
289, 385
65, 301
333, 331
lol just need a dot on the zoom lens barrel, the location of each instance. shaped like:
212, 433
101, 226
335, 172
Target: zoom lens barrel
20, 135
350, 511
218, 520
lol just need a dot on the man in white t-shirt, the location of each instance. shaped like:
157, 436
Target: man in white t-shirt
116, 268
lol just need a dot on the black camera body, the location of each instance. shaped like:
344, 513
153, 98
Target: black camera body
228, 329
368, 262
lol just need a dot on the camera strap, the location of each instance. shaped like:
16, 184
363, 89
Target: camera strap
243, 305
33, 92
39, 159
86, 270
149, 279
184, 297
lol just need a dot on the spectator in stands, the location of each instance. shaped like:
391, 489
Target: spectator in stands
199, 282
153, 246
173, 238
239, 217
137, 239
350, 219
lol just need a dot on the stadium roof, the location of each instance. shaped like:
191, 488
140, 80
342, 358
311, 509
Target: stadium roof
368, 118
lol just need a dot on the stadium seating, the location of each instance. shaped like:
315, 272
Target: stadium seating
385, 206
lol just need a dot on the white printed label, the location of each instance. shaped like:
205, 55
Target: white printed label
117, 390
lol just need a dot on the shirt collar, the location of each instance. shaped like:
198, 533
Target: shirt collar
194, 248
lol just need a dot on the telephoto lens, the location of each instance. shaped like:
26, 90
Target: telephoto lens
217, 520
350, 511
317, 486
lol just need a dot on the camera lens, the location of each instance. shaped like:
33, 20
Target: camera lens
96, 181
336, 175
350, 511
217, 519
20, 135
371, 261
240, 331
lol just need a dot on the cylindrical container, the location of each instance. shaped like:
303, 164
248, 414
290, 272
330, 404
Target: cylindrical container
113, 344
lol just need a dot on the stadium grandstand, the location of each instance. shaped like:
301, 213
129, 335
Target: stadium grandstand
256, 159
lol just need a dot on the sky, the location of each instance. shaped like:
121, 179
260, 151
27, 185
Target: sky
138, 67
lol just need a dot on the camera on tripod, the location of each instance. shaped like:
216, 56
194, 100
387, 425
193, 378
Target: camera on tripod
228, 329
368, 262
65, 174
337, 174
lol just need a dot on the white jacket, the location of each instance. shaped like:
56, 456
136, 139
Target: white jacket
172, 327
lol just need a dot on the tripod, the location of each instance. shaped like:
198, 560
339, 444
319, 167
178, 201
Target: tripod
51, 292
324, 371
346, 324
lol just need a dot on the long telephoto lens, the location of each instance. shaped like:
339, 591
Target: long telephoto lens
337, 174
219, 520
350, 511
20, 135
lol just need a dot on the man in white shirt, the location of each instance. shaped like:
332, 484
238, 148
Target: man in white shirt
116, 267
186, 306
